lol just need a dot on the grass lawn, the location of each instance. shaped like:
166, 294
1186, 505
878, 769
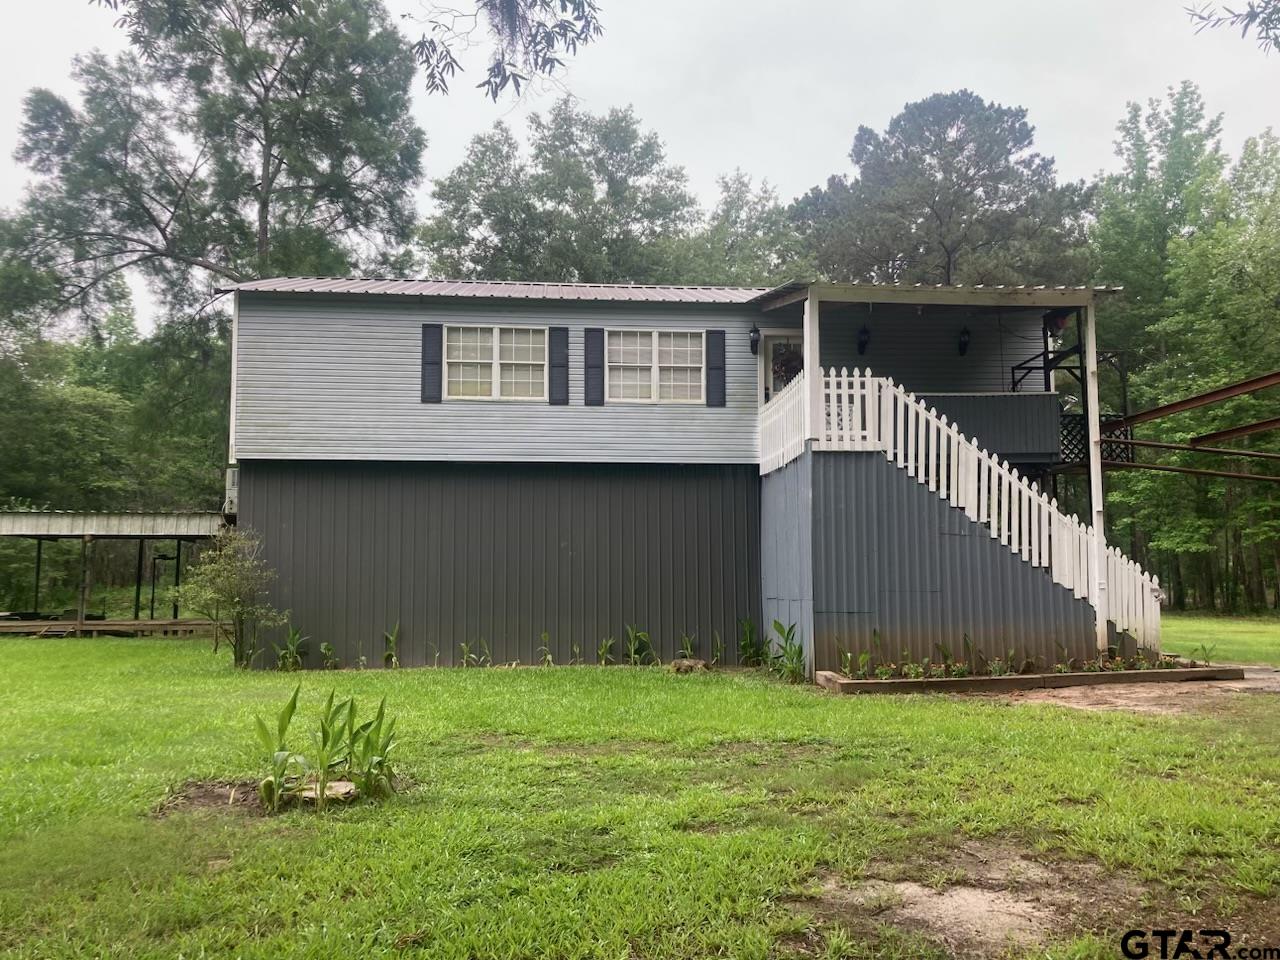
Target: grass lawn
616, 813
1231, 639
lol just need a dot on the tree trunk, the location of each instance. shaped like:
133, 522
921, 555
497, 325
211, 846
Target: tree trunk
264, 204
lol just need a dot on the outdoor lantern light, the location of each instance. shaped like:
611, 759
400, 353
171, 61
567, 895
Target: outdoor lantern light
864, 339
755, 340
964, 341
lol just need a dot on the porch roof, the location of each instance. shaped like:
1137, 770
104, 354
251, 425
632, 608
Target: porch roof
1001, 295
52, 524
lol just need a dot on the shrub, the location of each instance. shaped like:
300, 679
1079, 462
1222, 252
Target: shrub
228, 585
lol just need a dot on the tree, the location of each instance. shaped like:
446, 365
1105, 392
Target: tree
748, 239
596, 201
250, 142
229, 585
528, 37
952, 191
1260, 16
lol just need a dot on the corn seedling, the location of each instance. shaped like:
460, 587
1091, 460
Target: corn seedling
287, 768
751, 651
638, 646
289, 657
544, 651
327, 745
864, 665
466, 657
604, 651
788, 662
717, 647
329, 656
846, 662
391, 644
575, 654
688, 646
485, 660
369, 745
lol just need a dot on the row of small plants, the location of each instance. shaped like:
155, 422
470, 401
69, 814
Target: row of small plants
341, 749
872, 665
786, 659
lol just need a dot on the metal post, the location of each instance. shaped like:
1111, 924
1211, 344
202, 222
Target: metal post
1048, 372
177, 574
83, 605
1096, 500
155, 557
815, 410
137, 581
35, 605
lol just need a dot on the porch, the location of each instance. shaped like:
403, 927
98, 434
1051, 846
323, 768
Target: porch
908, 519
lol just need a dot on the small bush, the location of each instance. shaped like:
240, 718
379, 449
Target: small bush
788, 662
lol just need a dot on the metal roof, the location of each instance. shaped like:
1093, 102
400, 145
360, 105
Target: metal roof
504, 289
792, 286
160, 526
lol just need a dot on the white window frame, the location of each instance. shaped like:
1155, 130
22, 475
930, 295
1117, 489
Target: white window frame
495, 376
653, 373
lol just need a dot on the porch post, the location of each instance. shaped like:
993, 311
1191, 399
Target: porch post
815, 415
1096, 500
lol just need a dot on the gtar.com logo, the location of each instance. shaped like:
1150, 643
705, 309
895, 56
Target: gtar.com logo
1192, 944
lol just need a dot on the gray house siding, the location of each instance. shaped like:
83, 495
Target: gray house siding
890, 556
460, 552
1019, 427
922, 354
340, 378
786, 548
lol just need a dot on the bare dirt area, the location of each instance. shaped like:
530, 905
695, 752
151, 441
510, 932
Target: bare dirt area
979, 900
216, 796
1192, 696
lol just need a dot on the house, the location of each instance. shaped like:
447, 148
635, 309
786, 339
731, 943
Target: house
517, 465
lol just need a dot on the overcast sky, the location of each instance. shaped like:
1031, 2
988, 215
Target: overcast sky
778, 88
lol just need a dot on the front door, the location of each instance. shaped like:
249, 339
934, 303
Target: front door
783, 360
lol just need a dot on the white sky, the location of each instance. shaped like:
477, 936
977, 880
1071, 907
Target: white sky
778, 88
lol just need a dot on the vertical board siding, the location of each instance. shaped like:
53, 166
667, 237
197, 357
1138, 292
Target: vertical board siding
1019, 427
342, 378
786, 549
890, 556
464, 552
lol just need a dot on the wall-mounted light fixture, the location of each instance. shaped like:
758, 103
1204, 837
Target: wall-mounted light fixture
964, 341
864, 339
755, 340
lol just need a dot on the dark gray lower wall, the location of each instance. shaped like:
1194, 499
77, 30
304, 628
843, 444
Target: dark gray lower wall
890, 556
502, 552
1018, 427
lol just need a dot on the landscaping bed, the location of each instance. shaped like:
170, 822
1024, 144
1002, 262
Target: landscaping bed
837, 683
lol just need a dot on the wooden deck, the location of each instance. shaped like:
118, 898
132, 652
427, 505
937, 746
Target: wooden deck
63, 628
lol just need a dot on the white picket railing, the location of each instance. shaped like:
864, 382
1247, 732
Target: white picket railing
782, 426
865, 412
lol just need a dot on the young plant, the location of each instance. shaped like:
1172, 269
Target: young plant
289, 657
369, 746
575, 654
604, 651
751, 652
864, 665
544, 651
788, 662
717, 647
638, 646
287, 768
688, 646
1203, 653
328, 743
484, 660
960, 669
466, 657
391, 644
912, 670
330, 658
846, 663
886, 671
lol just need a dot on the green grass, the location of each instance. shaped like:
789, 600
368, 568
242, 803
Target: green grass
582, 812
1231, 639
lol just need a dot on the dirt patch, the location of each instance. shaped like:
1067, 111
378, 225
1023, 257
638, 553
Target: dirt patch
216, 795
979, 899
1193, 696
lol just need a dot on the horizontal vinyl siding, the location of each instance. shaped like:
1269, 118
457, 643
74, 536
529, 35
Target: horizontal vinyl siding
464, 552
922, 353
340, 379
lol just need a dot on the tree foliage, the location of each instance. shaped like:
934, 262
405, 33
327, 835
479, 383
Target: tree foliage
594, 201
1260, 17
952, 191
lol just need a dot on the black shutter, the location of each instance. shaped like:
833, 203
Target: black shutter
432, 365
558, 366
715, 368
593, 367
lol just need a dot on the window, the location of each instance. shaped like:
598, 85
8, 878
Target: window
515, 370
634, 376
